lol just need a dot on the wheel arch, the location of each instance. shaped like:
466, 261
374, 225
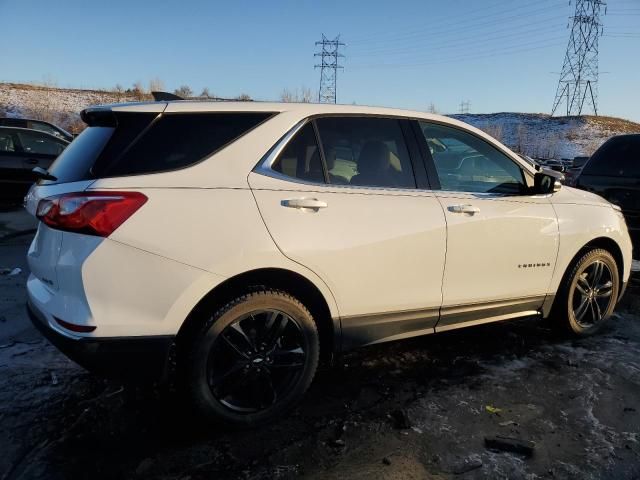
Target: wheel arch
605, 243
289, 281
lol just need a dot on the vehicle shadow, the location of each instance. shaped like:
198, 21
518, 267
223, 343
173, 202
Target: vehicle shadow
117, 432
127, 431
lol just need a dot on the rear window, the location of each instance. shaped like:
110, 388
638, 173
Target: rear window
150, 143
617, 157
77, 159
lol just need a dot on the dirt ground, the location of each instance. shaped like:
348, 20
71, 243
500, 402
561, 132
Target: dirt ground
415, 409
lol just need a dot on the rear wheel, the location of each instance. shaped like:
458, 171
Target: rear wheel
588, 293
253, 359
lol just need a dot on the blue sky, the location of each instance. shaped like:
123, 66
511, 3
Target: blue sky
498, 54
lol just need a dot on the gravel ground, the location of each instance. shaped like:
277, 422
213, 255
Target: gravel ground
415, 409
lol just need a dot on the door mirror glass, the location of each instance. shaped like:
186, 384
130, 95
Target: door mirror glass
546, 182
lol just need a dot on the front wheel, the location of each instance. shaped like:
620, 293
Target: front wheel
253, 359
589, 293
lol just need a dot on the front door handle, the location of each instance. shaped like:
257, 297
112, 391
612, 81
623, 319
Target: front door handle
32, 161
470, 209
302, 203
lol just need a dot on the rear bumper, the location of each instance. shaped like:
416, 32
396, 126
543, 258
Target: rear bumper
136, 358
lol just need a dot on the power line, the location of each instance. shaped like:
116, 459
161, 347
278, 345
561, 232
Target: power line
454, 30
328, 68
463, 43
579, 77
468, 22
371, 35
470, 56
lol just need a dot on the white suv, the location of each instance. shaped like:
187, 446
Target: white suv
237, 245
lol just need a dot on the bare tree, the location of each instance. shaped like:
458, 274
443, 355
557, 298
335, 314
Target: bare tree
592, 145
138, 90
244, 97
156, 85
521, 138
118, 90
184, 91
286, 96
205, 93
495, 130
552, 146
49, 80
74, 125
304, 95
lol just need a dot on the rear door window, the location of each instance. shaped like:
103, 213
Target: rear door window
36, 143
366, 151
43, 127
301, 157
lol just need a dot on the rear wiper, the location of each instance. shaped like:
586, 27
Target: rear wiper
43, 174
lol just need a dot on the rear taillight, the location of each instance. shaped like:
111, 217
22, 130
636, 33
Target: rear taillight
92, 213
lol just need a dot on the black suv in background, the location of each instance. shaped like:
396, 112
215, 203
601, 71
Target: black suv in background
613, 172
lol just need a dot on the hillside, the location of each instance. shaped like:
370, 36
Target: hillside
61, 106
534, 134
542, 136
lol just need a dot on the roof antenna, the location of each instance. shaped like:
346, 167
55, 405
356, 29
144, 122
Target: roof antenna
165, 96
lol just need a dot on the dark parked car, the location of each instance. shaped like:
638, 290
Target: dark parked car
556, 165
21, 150
574, 170
36, 125
579, 162
613, 172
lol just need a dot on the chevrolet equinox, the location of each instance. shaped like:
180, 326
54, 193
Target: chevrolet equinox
235, 246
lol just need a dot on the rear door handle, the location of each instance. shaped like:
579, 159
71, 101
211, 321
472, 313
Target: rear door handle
32, 161
470, 209
302, 203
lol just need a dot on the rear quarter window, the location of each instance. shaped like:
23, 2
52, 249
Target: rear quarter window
78, 158
131, 143
176, 141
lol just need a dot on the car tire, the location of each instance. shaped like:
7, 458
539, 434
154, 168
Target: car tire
588, 293
253, 359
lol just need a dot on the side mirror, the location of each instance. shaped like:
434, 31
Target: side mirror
545, 182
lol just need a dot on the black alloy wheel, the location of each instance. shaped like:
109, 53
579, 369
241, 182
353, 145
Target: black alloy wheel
253, 359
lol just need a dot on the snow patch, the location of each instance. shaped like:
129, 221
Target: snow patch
543, 136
